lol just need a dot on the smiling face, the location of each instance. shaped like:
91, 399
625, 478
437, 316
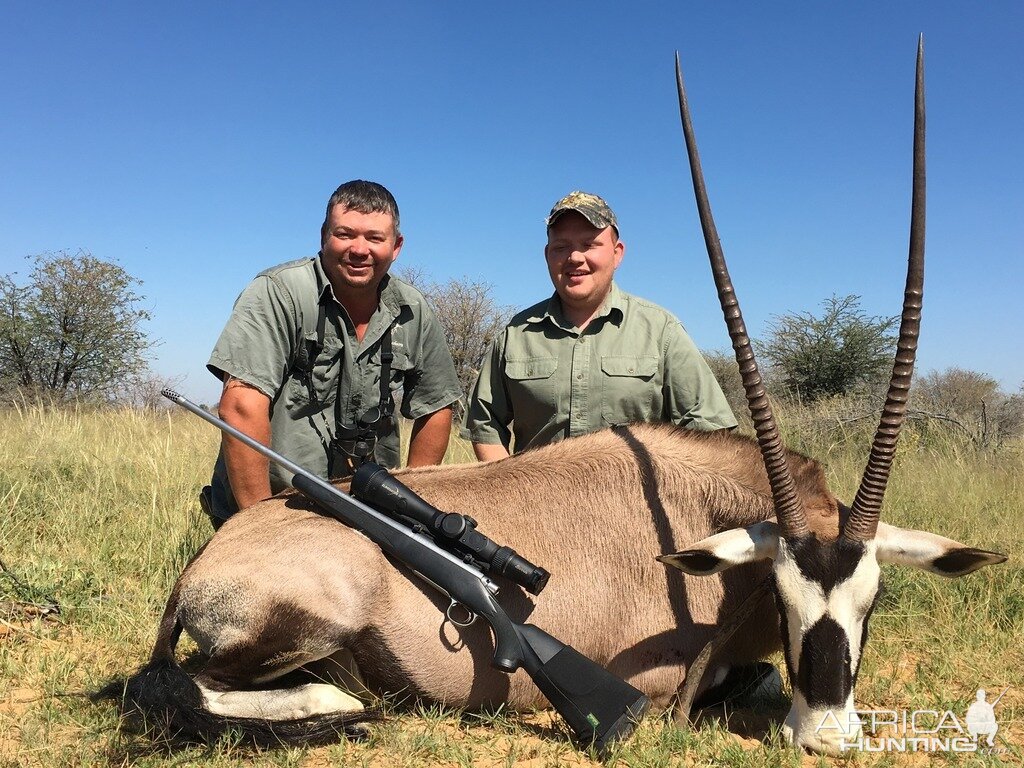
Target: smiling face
358, 249
582, 260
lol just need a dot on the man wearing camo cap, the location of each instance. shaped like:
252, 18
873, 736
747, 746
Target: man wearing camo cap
591, 355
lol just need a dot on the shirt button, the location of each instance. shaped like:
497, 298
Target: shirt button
630, 370
579, 375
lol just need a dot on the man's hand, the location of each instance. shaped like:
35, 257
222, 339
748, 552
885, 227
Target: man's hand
429, 440
247, 409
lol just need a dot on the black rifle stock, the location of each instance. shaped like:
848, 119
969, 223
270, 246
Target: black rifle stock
599, 707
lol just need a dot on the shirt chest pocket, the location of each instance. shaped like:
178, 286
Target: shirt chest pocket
630, 389
531, 382
313, 379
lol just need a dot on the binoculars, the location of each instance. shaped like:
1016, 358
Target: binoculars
359, 440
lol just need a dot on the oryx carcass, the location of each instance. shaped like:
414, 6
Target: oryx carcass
279, 587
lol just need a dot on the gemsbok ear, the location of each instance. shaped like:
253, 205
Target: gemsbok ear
929, 552
724, 550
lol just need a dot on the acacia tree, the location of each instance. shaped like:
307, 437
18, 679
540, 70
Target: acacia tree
73, 330
973, 402
837, 353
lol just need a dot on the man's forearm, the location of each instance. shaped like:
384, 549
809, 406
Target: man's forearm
489, 451
246, 409
429, 440
248, 471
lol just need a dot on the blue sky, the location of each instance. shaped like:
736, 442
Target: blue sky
196, 144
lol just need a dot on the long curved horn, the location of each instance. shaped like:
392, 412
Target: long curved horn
788, 509
867, 505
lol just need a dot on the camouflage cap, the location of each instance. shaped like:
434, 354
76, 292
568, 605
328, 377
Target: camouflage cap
591, 207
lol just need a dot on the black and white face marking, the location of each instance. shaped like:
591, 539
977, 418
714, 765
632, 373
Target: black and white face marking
825, 592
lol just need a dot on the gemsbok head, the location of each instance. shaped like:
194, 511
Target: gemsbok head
826, 583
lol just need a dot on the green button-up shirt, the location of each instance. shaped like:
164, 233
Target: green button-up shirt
545, 380
271, 340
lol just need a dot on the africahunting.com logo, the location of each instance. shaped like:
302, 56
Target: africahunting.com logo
917, 730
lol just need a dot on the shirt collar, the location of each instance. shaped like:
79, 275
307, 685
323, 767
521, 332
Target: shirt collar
390, 295
613, 307
321, 279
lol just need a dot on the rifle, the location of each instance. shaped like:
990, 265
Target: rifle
599, 707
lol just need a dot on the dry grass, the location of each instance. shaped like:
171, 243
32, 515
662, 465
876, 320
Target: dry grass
98, 512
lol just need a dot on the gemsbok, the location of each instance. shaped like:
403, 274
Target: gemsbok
280, 588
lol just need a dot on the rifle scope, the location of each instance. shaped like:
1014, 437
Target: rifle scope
375, 485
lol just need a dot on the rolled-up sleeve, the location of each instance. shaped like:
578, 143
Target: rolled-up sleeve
433, 384
692, 396
489, 412
257, 343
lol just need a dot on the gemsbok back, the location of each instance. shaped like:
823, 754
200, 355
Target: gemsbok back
280, 588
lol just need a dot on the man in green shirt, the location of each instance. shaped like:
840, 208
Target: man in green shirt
317, 351
591, 356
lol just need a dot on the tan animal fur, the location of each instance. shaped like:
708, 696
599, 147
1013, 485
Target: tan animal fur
593, 510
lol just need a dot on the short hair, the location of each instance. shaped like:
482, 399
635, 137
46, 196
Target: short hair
365, 197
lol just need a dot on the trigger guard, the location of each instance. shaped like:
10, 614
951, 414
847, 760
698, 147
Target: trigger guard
451, 614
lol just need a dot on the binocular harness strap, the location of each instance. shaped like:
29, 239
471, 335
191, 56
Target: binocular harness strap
367, 433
